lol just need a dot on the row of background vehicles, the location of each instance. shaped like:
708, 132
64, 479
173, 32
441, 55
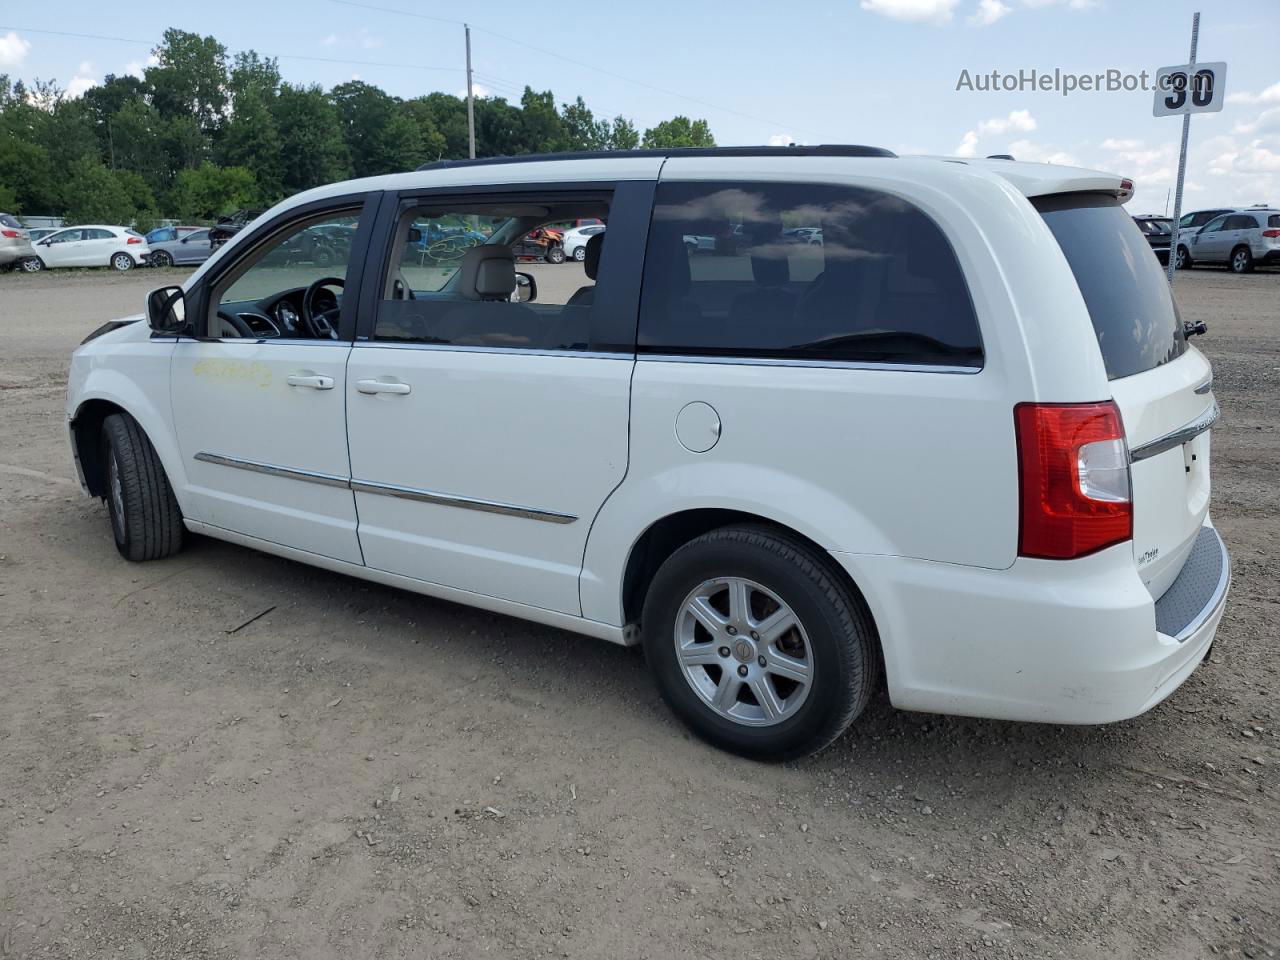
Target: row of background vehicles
1239, 237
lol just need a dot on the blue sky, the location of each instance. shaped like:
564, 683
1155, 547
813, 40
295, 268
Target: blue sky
815, 71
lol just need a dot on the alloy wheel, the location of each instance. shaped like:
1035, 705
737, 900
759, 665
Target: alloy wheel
744, 651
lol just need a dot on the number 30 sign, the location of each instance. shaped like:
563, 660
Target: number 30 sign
1194, 88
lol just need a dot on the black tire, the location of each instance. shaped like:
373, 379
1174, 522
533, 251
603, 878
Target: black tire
555, 254
1183, 260
1241, 260
145, 518
161, 258
841, 639
580, 253
32, 265
121, 262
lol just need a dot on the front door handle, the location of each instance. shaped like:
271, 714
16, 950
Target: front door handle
383, 386
314, 382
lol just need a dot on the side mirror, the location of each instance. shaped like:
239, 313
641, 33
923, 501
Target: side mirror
167, 310
526, 288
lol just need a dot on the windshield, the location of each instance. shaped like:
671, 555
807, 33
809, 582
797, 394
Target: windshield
1123, 285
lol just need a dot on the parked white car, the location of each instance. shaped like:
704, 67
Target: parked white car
575, 240
93, 245
964, 441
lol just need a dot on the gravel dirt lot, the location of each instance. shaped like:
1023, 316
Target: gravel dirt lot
361, 772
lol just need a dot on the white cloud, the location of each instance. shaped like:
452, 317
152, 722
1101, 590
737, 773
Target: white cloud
1018, 121
1113, 144
135, 68
1270, 95
781, 140
968, 145
1038, 153
1268, 121
13, 50
479, 90
368, 41
329, 41
913, 11
82, 81
989, 11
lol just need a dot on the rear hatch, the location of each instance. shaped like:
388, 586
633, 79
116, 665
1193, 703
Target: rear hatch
1162, 386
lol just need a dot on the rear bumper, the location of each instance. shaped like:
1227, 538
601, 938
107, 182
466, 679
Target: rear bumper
1272, 256
1077, 642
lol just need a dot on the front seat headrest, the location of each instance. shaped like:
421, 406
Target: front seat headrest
591, 255
488, 272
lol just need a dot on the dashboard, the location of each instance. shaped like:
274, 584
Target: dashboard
280, 314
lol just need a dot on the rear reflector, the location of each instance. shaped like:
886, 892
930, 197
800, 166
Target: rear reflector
1073, 476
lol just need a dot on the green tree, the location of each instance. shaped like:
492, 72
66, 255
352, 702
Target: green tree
93, 195
542, 130
135, 135
378, 136
448, 116
432, 143
24, 172
680, 131
311, 144
209, 191
622, 135
191, 79
582, 130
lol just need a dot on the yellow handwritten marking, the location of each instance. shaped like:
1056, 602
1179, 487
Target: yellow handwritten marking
233, 371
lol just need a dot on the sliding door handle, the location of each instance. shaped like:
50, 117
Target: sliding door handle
312, 381
383, 386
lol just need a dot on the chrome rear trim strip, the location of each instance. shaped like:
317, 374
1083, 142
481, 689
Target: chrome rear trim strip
1178, 437
466, 503
388, 489
272, 470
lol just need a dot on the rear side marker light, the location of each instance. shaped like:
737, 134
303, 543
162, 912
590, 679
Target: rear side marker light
1073, 477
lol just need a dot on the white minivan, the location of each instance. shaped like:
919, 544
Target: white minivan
961, 445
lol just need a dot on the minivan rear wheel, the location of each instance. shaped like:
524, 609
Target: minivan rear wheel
756, 644
1241, 260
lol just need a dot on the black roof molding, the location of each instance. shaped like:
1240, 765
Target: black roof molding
820, 150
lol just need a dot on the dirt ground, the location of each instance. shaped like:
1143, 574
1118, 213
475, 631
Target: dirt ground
361, 772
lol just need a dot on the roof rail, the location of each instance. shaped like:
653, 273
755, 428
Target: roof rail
820, 150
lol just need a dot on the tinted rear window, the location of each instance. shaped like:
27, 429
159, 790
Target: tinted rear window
874, 280
1273, 220
10, 222
1122, 282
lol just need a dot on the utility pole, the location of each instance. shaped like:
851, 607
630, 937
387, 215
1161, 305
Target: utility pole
1182, 155
471, 100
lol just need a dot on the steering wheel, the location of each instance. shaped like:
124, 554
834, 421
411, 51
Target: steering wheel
238, 325
321, 324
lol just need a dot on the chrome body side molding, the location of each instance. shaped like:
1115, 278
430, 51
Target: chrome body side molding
389, 489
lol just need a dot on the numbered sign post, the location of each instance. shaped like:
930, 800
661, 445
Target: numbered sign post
1183, 90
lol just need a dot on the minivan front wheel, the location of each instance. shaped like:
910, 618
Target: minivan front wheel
757, 645
145, 518
1241, 260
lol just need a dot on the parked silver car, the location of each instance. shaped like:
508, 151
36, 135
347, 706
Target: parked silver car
187, 248
15, 245
1241, 240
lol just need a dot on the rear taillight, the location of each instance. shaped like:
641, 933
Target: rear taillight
134, 240
1274, 234
10, 234
1073, 474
